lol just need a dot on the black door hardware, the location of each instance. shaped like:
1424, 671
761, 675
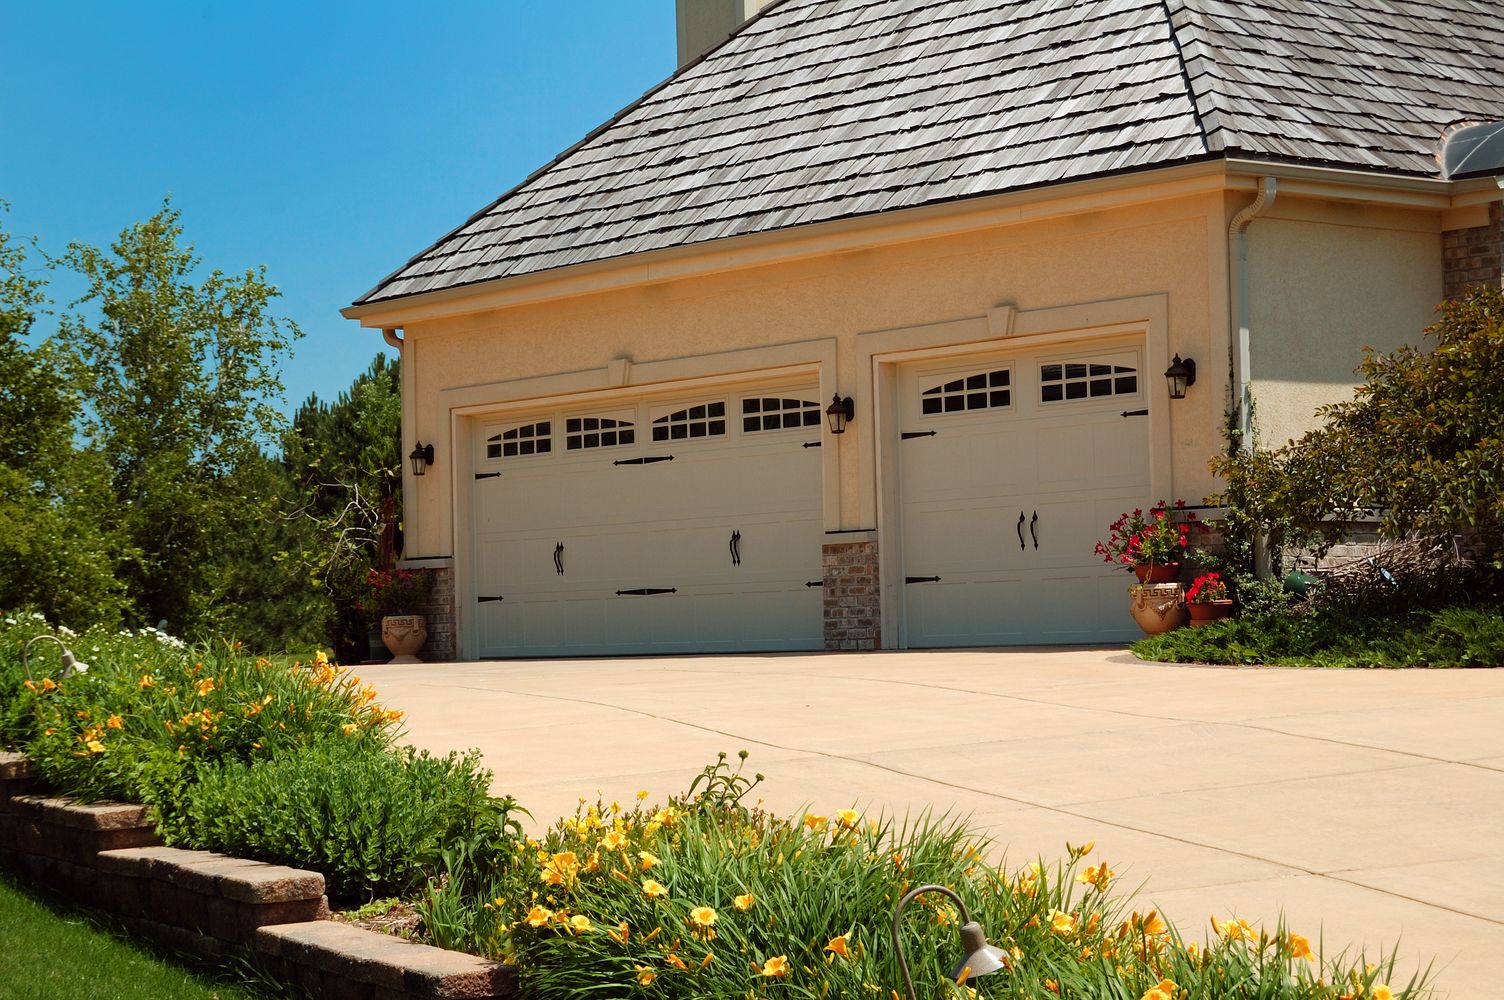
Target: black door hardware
1032, 532
736, 548
815, 583
488, 475
921, 579
1020, 527
1134, 413
810, 444
644, 461
906, 435
489, 600
647, 591
559, 558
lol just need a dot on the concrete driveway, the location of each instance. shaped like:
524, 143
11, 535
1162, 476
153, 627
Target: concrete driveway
1367, 805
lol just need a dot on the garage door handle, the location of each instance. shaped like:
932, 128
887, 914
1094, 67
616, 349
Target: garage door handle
1020, 527
647, 591
559, 558
1032, 532
736, 550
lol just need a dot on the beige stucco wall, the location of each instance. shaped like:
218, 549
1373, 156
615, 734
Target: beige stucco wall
1172, 248
1324, 281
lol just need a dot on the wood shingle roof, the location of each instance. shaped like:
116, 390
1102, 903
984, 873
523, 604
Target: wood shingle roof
825, 109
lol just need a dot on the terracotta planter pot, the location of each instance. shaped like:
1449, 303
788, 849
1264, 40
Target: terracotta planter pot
1157, 572
1157, 607
404, 635
1205, 614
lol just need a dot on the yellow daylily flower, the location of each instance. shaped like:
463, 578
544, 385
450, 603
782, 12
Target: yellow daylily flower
1062, 923
1300, 947
838, 946
702, 916
539, 916
653, 889
848, 818
744, 902
777, 967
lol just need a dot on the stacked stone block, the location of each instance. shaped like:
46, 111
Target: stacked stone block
853, 609
439, 612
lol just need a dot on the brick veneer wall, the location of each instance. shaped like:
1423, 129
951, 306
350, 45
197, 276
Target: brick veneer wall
1473, 256
108, 856
853, 612
442, 641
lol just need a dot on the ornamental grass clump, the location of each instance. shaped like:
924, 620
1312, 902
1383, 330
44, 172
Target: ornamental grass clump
705, 897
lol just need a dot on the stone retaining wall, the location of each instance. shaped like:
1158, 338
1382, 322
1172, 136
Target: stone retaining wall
107, 856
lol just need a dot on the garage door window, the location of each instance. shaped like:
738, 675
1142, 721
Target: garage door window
981, 391
529, 439
597, 432
1066, 381
702, 420
764, 413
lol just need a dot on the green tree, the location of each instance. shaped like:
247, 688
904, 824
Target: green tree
178, 377
343, 467
1421, 443
57, 552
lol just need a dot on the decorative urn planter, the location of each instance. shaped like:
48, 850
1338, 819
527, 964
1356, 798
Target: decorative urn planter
1212, 611
1157, 607
403, 636
1157, 572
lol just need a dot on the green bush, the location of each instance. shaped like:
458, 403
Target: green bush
373, 821
1336, 636
705, 898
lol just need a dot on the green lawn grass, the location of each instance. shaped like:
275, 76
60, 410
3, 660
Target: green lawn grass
49, 953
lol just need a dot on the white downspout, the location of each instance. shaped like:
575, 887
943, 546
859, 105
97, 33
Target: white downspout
1237, 233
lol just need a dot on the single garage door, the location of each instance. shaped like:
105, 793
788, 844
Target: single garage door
663, 525
1011, 467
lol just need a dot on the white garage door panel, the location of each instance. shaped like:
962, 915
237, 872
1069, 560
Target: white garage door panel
1070, 466
663, 525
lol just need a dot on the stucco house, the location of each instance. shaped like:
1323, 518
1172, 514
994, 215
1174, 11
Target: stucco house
992, 225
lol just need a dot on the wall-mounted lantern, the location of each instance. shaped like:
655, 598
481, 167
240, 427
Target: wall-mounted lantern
839, 412
422, 458
1181, 375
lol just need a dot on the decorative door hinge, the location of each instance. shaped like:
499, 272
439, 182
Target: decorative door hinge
1134, 413
488, 475
647, 591
489, 600
907, 435
921, 579
649, 460
815, 583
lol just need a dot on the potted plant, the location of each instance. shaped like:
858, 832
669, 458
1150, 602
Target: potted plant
394, 597
1207, 600
1152, 543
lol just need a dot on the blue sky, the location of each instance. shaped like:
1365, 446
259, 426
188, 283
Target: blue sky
329, 141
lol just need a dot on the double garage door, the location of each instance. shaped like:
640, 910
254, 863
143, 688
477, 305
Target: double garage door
667, 525
693, 523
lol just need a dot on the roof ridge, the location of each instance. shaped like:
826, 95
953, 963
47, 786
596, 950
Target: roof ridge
1203, 107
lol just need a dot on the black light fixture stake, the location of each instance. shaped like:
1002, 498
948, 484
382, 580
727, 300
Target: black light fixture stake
422, 458
978, 958
839, 412
1181, 375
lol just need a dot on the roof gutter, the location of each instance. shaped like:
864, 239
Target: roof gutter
1237, 235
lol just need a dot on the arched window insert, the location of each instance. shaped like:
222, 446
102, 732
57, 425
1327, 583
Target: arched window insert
981, 391
703, 420
1085, 380
765, 413
529, 439
597, 432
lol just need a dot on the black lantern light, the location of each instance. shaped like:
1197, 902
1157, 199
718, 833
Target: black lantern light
1181, 375
839, 412
422, 458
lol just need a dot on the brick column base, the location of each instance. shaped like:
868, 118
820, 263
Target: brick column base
853, 612
442, 643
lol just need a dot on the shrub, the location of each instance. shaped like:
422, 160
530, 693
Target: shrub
704, 898
373, 821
